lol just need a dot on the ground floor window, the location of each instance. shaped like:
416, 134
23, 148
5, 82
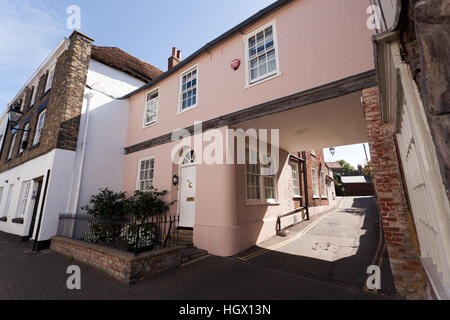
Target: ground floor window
295, 179
259, 187
323, 184
145, 174
315, 183
24, 199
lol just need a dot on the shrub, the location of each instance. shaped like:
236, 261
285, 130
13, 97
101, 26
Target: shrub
107, 203
147, 204
147, 234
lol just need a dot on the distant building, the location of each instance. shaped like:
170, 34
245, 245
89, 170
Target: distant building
358, 186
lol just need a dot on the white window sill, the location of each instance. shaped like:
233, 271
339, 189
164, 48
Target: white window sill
316, 198
298, 197
150, 125
187, 109
273, 76
263, 203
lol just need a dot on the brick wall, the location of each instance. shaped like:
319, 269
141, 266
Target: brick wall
399, 232
122, 266
63, 110
316, 161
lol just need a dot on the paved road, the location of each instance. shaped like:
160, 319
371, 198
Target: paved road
43, 276
334, 247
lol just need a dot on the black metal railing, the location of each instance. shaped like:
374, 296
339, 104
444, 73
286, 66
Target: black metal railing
127, 234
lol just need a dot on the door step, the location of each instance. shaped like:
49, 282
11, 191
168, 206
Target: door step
192, 255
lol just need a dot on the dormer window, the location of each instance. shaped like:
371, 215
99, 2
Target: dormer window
48, 84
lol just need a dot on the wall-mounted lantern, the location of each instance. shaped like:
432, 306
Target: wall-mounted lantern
332, 151
14, 114
175, 180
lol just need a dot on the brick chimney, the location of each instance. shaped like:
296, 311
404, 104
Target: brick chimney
175, 58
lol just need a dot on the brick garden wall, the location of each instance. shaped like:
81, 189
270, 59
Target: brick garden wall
399, 232
123, 266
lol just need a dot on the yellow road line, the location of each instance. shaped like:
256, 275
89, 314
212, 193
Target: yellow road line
276, 246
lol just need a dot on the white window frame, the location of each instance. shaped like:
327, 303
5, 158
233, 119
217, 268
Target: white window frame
33, 94
146, 106
315, 183
138, 177
180, 90
11, 146
24, 199
38, 132
49, 80
295, 180
270, 75
1, 195
26, 134
323, 185
8, 199
22, 104
262, 185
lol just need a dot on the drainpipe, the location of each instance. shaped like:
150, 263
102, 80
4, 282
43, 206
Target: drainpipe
88, 96
305, 184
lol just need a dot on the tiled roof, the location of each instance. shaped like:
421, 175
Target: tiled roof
356, 179
120, 60
333, 165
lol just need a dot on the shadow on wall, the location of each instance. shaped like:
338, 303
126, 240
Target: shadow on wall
349, 271
251, 217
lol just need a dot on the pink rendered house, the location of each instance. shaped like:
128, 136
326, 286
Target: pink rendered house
303, 65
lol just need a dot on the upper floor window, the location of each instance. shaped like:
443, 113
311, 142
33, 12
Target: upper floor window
33, 95
39, 126
151, 108
262, 53
13, 142
48, 84
22, 103
189, 82
26, 134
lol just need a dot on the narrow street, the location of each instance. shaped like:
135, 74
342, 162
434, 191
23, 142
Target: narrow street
321, 264
335, 247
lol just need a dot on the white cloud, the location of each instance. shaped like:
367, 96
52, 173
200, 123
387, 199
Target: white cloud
28, 33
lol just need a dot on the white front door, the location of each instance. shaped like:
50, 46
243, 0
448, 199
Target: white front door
187, 196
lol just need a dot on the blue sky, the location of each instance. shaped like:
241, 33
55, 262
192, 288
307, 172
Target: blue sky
147, 29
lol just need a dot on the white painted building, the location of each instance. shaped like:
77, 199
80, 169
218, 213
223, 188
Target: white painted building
34, 193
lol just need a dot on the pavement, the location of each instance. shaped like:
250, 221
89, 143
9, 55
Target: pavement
42, 276
335, 246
